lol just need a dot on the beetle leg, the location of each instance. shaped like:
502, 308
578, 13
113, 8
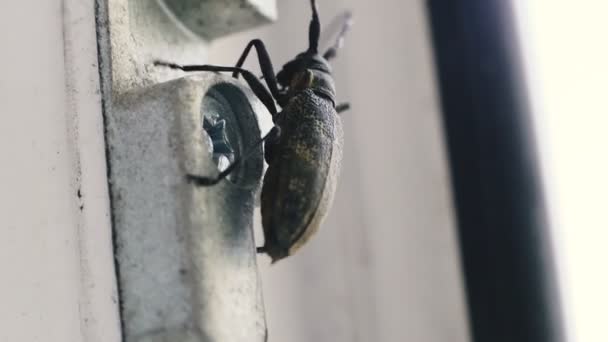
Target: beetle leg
207, 181
344, 106
268, 73
256, 86
332, 51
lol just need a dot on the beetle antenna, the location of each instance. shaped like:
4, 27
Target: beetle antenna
346, 24
314, 30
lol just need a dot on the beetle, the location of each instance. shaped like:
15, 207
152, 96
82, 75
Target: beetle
303, 149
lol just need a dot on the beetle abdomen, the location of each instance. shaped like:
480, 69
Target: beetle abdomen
300, 181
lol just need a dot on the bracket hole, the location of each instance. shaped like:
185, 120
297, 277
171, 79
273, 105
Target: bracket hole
231, 128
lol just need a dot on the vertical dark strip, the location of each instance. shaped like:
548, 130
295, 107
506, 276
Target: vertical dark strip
104, 64
503, 231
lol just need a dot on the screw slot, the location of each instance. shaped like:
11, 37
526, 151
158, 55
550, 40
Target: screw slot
220, 147
231, 129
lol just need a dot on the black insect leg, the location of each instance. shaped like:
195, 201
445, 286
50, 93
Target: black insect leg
207, 181
342, 107
265, 65
333, 50
256, 86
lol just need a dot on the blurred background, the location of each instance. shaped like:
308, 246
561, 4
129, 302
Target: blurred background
566, 68
386, 265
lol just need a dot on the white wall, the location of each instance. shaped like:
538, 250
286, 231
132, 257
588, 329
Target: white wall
385, 265
57, 273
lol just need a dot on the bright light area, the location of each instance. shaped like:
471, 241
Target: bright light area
566, 53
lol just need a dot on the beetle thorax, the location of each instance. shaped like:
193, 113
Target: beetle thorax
318, 81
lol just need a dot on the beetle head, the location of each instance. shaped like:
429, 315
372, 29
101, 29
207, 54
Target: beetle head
299, 64
308, 69
309, 59
307, 72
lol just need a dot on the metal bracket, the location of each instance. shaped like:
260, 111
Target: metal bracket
185, 255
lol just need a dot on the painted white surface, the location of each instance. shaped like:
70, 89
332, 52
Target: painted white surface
384, 266
58, 278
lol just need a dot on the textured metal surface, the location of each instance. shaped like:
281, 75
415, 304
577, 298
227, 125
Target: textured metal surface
136, 32
213, 19
185, 254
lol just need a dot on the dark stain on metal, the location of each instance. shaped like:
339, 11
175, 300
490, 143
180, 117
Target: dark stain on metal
101, 17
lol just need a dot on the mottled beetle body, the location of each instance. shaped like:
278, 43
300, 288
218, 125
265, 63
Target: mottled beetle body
303, 166
304, 148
